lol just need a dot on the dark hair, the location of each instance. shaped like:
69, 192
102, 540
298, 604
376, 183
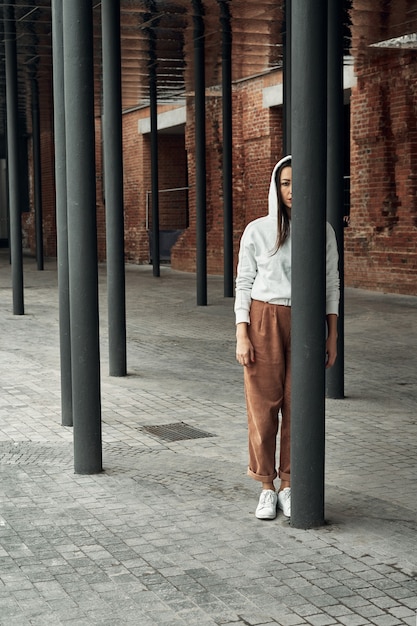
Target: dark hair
283, 219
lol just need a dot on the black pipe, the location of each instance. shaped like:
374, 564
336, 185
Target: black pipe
113, 185
37, 179
156, 266
227, 149
308, 276
200, 153
16, 248
286, 82
61, 213
82, 234
335, 200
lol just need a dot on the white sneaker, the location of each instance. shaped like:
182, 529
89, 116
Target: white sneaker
267, 507
284, 501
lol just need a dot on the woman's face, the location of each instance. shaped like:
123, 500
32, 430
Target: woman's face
285, 183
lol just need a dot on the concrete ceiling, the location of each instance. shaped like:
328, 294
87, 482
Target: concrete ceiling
257, 27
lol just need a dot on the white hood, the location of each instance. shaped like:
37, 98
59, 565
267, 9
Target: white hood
272, 196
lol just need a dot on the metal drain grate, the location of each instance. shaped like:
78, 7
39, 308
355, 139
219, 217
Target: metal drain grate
176, 432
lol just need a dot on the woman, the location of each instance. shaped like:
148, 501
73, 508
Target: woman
263, 336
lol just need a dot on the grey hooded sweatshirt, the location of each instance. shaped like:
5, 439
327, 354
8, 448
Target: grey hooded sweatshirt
264, 273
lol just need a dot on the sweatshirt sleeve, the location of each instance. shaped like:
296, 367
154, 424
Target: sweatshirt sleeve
332, 273
246, 272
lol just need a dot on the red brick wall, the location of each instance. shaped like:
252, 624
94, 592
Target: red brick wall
183, 254
380, 248
47, 190
48, 193
172, 173
261, 136
380, 244
257, 139
136, 167
100, 207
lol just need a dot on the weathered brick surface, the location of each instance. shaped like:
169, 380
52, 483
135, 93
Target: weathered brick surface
380, 246
257, 137
381, 242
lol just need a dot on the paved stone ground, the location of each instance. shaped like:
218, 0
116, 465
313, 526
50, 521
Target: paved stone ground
166, 534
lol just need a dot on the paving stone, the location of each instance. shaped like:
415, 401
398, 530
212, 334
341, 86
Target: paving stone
386, 620
353, 620
321, 620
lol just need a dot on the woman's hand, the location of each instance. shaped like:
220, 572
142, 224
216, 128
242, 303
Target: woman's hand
331, 341
245, 354
331, 351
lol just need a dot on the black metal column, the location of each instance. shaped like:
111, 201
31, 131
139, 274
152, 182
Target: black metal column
286, 84
308, 225
82, 234
37, 180
113, 184
61, 212
228, 273
153, 104
16, 251
200, 152
335, 375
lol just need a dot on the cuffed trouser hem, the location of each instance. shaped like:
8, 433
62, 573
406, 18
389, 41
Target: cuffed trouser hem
284, 476
267, 390
262, 479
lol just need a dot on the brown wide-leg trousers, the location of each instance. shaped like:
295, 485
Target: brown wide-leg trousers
268, 390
